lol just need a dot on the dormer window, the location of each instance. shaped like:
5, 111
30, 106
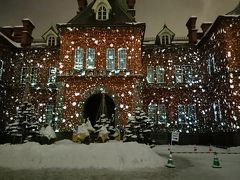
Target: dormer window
102, 13
102, 9
51, 41
165, 36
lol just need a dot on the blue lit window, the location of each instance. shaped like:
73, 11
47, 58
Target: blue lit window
33, 76
24, 75
48, 115
122, 58
110, 59
162, 114
1, 69
178, 74
79, 54
150, 74
188, 77
160, 72
192, 117
181, 114
90, 58
52, 75
217, 111
152, 111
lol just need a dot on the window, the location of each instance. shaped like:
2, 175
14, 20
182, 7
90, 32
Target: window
79, 55
33, 76
188, 74
102, 14
178, 74
51, 41
24, 75
152, 111
211, 64
192, 117
160, 74
48, 115
122, 58
181, 114
162, 114
165, 40
217, 111
52, 75
90, 58
110, 59
150, 74
1, 69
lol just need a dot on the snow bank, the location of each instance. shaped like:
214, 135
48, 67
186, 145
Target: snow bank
65, 154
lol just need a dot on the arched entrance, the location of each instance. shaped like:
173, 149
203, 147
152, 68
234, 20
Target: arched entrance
98, 104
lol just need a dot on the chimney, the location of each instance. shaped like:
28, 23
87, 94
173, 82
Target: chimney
192, 31
131, 10
26, 34
82, 4
205, 26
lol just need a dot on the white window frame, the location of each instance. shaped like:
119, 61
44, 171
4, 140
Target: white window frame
217, 111
110, 64
192, 114
188, 75
122, 58
51, 40
79, 57
102, 13
90, 58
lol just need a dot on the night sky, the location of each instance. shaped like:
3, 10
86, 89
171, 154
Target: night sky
154, 13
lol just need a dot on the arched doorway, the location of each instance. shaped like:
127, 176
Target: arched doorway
98, 104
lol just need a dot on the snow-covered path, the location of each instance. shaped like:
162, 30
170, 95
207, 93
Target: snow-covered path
189, 166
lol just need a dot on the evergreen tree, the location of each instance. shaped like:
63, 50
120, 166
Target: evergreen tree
139, 128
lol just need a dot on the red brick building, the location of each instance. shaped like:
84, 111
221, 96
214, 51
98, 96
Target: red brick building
101, 55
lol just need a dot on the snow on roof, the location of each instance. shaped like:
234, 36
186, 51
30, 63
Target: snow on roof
18, 45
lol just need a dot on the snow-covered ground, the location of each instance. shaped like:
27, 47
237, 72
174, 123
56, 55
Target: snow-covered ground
115, 160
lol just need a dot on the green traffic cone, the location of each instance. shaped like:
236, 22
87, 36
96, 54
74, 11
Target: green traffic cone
216, 162
170, 163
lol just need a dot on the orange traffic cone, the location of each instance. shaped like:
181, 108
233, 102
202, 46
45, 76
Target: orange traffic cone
170, 163
216, 162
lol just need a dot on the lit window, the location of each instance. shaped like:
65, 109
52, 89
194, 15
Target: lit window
52, 75
79, 56
90, 58
24, 75
160, 74
150, 74
1, 69
110, 59
33, 76
181, 114
211, 64
152, 111
162, 114
192, 117
188, 74
165, 40
102, 14
122, 58
51, 41
48, 115
217, 111
178, 74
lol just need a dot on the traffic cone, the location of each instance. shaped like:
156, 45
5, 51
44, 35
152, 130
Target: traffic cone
216, 162
170, 163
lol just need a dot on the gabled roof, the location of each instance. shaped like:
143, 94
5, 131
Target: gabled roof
51, 30
118, 15
236, 11
165, 29
15, 44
